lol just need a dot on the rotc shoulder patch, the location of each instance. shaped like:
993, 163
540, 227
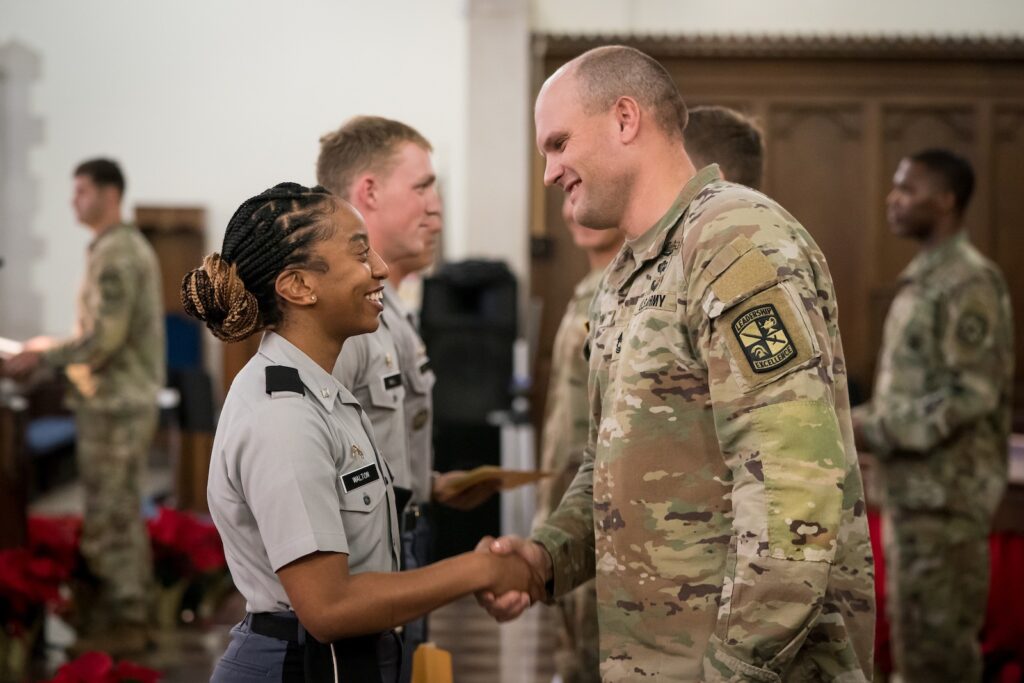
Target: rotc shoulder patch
763, 338
767, 336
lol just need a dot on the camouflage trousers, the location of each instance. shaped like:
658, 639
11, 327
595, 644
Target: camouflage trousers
937, 587
578, 656
111, 451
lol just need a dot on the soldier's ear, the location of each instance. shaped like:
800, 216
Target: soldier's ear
627, 117
294, 287
365, 192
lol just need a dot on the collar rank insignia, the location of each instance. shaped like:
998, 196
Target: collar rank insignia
763, 338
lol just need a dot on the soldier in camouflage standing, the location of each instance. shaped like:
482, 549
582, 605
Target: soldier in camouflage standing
566, 423
719, 500
939, 423
115, 363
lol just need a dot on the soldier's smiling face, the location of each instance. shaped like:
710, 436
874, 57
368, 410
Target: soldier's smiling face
580, 153
916, 201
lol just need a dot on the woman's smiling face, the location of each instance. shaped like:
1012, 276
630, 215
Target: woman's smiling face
349, 293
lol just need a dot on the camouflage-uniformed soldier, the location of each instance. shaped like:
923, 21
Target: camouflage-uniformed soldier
719, 500
566, 426
115, 363
939, 423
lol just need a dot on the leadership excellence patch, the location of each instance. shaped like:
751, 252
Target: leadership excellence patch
764, 339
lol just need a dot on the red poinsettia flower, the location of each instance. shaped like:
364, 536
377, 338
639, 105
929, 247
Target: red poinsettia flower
27, 581
130, 672
98, 667
182, 538
92, 667
56, 537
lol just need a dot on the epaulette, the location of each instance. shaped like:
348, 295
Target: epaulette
284, 378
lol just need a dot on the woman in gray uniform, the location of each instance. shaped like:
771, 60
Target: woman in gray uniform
302, 499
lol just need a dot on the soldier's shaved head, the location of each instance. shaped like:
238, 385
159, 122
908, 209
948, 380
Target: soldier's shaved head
605, 74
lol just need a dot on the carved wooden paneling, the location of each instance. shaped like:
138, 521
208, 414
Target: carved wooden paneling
938, 48
1008, 216
815, 157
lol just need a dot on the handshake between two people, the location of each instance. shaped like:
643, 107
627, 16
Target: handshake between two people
520, 579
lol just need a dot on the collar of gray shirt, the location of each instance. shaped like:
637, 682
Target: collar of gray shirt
320, 383
392, 300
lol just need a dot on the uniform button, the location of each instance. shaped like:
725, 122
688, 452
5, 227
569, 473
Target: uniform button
366, 499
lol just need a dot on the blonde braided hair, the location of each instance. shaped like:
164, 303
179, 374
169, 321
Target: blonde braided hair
215, 294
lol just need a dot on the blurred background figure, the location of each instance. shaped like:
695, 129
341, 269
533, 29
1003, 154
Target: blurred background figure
724, 136
939, 422
115, 364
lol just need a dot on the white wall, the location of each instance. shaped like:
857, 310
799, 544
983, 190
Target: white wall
780, 17
206, 103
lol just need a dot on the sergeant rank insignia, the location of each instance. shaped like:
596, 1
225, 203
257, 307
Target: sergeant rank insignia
763, 338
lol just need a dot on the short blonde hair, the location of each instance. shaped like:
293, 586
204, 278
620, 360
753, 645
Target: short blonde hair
363, 143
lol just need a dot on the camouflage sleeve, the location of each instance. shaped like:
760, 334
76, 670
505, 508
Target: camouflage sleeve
568, 534
966, 366
760, 328
107, 311
579, 403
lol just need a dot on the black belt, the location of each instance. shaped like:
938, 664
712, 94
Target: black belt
355, 657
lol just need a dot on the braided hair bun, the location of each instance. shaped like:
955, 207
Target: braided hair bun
234, 291
215, 294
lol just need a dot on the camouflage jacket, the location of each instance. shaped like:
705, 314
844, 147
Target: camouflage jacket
939, 420
116, 358
567, 417
720, 493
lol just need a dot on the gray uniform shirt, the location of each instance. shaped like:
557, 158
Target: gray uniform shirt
369, 367
294, 473
419, 379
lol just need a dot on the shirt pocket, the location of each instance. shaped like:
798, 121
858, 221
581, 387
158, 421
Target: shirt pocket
387, 390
